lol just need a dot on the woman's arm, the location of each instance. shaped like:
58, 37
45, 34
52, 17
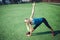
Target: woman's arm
33, 9
29, 27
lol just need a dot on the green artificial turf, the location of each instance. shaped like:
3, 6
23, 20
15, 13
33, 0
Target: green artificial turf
12, 26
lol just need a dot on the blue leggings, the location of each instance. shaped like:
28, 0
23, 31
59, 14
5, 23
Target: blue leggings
43, 21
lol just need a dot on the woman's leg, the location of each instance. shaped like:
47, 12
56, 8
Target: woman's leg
28, 33
36, 26
46, 23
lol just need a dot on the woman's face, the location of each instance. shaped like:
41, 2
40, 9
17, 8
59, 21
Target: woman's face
26, 20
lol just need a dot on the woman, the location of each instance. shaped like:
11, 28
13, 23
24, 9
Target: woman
35, 21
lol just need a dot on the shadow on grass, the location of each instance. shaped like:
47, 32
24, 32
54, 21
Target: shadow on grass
48, 32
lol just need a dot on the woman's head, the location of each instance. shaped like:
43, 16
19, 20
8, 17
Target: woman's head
26, 20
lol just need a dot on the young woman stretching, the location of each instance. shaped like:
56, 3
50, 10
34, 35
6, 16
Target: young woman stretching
35, 21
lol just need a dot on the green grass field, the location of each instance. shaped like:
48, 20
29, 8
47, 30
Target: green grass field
12, 26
